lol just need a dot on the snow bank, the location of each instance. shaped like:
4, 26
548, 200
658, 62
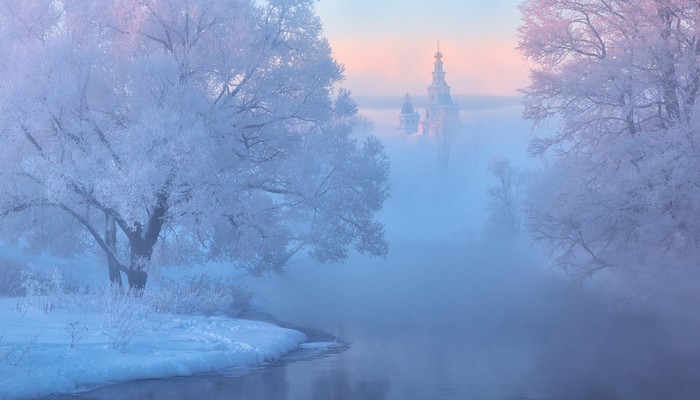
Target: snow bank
37, 358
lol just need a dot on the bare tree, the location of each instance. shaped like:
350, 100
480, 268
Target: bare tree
504, 206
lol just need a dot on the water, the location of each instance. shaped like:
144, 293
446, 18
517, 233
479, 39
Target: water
449, 315
450, 321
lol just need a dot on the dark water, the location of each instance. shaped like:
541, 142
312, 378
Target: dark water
451, 322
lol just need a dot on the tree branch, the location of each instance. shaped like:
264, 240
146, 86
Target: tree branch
96, 235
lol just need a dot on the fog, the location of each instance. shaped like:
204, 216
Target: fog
456, 312
131, 156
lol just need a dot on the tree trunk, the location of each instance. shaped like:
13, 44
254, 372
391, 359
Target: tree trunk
142, 244
141, 252
115, 276
137, 279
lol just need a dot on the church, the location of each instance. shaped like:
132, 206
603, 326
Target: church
441, 112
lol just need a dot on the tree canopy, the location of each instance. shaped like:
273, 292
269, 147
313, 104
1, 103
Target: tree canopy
197, 129
620, 187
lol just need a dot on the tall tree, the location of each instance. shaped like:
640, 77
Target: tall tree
620, 188
209, 127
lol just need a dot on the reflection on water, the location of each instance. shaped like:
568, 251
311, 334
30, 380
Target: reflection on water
439, 325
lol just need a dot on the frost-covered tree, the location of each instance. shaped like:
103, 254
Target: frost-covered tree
504, 210
188, 127
621, 77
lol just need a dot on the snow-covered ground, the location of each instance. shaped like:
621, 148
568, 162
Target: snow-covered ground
72, 349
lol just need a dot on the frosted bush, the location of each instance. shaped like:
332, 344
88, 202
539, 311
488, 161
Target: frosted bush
124, 312
14, 353
200, 294
75, 332
45, 293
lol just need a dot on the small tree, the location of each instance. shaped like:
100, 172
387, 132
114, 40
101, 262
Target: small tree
504, 206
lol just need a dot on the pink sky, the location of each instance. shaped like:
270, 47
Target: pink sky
387, 46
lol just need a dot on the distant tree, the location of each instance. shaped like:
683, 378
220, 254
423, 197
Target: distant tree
344, 105
204, 129
504, 211
621, 184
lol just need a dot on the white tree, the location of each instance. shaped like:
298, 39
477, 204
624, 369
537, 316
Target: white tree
24, 212
504, 209
207, 127
620, 187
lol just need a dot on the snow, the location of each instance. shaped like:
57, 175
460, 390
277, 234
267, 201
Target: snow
36, 357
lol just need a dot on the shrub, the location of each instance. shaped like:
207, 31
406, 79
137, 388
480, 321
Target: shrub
14, 353
124, 312
200, 294
44, 292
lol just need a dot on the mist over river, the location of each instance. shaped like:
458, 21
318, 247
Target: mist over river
454, 312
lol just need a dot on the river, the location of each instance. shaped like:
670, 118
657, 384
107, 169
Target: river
449, 321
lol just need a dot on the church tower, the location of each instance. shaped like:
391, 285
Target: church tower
408, 119
441, 113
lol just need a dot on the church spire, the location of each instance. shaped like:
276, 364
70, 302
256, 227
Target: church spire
441, 112
439, 90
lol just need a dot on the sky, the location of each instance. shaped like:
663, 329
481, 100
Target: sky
387, 46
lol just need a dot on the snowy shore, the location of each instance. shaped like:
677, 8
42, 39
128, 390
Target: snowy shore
71, 350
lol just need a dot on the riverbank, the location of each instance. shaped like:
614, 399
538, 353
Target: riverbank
76, 348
